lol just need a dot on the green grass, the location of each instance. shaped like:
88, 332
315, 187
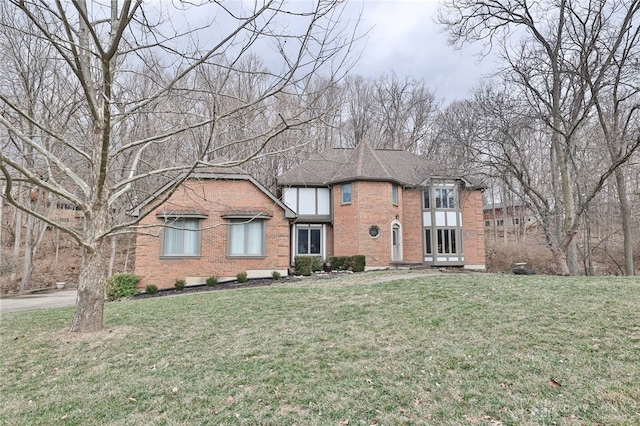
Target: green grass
442, 349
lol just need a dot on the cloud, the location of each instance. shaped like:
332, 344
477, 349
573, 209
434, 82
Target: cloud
405, 38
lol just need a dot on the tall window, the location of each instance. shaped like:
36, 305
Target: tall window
181, 238
426, 199
394, 194
309, 238
346, 193
445, 198
446, 241
246, 238
427, 241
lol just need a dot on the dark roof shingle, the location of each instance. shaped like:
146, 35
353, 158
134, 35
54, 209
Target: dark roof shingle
360, 163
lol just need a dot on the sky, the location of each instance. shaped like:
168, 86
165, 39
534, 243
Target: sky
405, 38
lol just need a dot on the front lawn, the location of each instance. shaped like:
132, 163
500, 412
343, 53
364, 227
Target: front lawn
442, 349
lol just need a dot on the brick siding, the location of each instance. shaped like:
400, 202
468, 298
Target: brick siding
213, 197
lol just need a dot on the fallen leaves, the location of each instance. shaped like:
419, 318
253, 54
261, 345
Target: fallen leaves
554, 384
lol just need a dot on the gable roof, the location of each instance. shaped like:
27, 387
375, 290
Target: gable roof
338, 165
217, 173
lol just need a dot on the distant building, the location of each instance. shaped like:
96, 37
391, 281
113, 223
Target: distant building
515, 216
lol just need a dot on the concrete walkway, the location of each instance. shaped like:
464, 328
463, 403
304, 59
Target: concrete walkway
40, 300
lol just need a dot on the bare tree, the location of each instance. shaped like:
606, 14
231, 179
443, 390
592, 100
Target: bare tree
549, 49
131, 64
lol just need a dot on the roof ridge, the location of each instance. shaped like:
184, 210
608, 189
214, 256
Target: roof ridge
379, 160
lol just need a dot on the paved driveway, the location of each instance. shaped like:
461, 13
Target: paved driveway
40, 300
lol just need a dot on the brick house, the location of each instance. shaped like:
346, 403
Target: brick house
219, 222
515, 216
392, 206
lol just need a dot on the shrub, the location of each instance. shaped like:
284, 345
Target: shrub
358, 263
211, 281
242, 277
151, 289
337, 262
276, 275
305, 265
343, 263
121, 285
180, 284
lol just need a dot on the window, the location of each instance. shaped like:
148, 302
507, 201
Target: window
499, 222
181, 238
427, 241
516, 220
445, 198
374, 231
309, 238
246, 238
346, 193
446, 241
487, 223
427, 204
394, 194
308, 201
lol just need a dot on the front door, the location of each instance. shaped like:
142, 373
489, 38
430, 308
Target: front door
395, 244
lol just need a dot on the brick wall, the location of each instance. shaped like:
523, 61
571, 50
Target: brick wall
371, 205
411, 220
214, 197
473, 228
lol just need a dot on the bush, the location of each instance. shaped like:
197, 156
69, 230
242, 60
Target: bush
357, 263
242, 277
211, 281
276, 275
151, 289
121, 285
347, 263
305, 265
180, 284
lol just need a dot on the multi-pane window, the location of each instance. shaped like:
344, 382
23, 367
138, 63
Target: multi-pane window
445, 198
309, 238
346, 193
181, 238
394, 194
426, 199
446, 239
246, 238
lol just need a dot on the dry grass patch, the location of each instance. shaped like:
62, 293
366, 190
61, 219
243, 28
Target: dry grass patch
437, 349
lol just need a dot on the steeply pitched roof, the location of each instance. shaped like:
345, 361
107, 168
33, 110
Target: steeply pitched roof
361, 163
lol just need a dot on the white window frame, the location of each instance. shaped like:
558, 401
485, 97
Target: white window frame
309, 228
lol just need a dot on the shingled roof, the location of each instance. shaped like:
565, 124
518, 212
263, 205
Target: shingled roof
338, 165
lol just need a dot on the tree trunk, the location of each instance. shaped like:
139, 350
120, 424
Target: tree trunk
27, 259
93, 275
560, 259
625, 213
572, 257
16, 246
1, 226
112, 255
90, 303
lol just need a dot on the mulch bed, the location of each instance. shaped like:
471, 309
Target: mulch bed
233, 285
